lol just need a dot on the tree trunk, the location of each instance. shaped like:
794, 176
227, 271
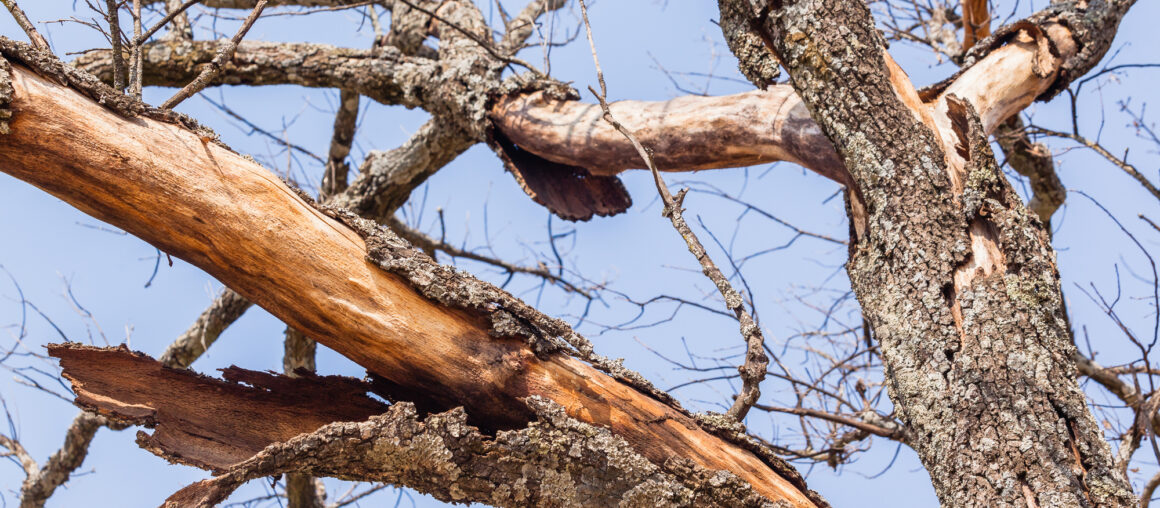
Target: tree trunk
956, 278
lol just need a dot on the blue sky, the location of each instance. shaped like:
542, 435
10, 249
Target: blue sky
47, 246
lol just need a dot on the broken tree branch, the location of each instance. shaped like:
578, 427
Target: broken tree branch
199, 201
328, 426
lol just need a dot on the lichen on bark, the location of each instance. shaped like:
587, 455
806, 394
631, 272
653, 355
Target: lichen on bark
508, 316
49, 66
555, 461
5, 94
960, 287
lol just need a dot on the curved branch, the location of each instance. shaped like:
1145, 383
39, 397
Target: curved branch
37, 489
684, 134
693, 133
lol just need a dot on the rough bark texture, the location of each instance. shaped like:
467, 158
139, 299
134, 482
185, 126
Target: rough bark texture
754, 61
383, 74
553, 461
957, 280
36, 489
387, 178
1034, 161
218, 210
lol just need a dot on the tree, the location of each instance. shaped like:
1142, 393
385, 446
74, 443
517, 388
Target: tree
494, 401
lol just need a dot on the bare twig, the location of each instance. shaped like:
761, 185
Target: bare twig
215, 66
1096, 147
115, 39
174, 12
1149, 488
877, 430
38, 41
486, 45
754, 369
429, 244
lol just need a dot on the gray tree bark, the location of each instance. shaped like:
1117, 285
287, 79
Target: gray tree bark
956, 277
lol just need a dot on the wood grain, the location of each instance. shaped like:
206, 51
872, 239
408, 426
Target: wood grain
229, 216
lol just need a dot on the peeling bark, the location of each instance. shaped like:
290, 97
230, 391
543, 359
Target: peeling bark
327, 426
197, 200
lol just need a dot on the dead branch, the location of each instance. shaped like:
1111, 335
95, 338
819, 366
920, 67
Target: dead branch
37, 40
1103, 152
207, 74
321, 272
1034, 161
384, 74
326, 426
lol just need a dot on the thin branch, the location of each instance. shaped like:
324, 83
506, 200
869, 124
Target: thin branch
429, 244
38, 41
140, 39
115, 39
135, 66
1122, 164
849, 422
754, 369
215, 65
486, 45
1149, 488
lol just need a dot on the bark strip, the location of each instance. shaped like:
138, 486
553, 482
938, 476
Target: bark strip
253, 424
199, 201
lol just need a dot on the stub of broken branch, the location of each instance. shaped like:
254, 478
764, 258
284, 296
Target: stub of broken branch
254, 425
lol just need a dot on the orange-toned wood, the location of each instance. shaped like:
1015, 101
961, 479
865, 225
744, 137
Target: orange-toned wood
240, 223
976, 22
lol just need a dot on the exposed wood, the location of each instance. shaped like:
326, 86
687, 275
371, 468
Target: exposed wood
225, 214
254, 424
976, 22
685, 134
693, 133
